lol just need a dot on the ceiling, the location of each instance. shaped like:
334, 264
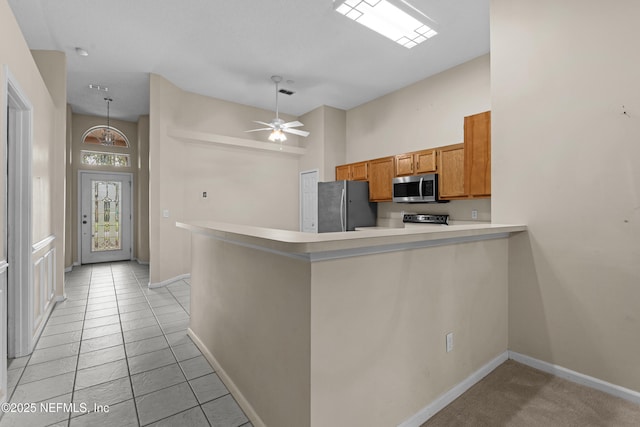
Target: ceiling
230, 49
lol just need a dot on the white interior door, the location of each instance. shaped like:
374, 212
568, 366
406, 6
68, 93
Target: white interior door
105, 217
309, 201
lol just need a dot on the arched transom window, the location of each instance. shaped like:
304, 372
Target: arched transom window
105, 135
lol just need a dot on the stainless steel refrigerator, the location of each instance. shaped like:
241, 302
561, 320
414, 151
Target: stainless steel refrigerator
344, 205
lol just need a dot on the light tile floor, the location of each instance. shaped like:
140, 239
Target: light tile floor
115, 343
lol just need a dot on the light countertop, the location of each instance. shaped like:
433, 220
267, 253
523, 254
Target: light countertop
373, 239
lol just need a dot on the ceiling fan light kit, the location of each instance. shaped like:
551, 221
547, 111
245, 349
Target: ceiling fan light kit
277, 136
277, 126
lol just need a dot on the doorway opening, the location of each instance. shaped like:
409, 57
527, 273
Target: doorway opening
15, 269
309, 201
105, 217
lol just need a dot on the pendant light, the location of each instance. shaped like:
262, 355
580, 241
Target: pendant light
107, 137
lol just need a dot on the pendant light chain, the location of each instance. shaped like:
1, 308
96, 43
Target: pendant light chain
107, 136
109, 100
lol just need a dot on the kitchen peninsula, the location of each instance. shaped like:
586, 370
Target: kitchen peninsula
347, 328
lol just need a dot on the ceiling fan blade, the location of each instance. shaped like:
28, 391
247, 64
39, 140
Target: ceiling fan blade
292, 124
255, 130
263, 123
296, 132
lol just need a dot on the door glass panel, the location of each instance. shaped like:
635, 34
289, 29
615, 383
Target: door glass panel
105, 215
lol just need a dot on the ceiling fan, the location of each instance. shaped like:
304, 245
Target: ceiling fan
277, 126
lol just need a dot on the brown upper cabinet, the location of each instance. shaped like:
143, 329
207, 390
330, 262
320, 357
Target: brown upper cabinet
464, 170
378, 172
451, 172
477, 154
343, 172
380, 179
416, 163
353, 172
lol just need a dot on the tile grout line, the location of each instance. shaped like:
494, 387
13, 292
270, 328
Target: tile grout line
188, 381
27, 363
184, 373
124, 348
136, 285
164, 335
75, 374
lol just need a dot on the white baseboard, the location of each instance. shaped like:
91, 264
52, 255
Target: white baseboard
141, 262
68, 269
235, 392
443, 400
169, 281
577, 377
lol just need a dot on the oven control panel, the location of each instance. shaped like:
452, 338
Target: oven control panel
426, 218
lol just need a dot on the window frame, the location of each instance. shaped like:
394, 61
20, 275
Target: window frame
105, 153
112, 129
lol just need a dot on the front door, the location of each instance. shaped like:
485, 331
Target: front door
105, 217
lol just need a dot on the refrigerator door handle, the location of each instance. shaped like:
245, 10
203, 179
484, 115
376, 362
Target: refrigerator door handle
343, 201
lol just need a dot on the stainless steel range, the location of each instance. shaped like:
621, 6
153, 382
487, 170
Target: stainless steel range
426, 218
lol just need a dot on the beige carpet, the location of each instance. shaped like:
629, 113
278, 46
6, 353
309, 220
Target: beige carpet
517, 395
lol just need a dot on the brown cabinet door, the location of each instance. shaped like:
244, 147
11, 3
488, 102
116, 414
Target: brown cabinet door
426, 161
342, 172
404, 164
477, 154
451, 171
360, 171
380, 179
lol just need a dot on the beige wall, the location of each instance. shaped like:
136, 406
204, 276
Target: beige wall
68, 234
80, 124
565, 162
251, 309
429, 113
142, 207
426, 114
379, 322
326, 145
40, 78
49, 164
313, 157
49, 104
243, 185
358, 341
335, 140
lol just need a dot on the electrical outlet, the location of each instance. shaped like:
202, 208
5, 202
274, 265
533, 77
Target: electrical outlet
204, 194
474, 214
165, 213
449, 342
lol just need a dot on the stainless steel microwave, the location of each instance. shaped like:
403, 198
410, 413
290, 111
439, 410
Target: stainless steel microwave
416, 189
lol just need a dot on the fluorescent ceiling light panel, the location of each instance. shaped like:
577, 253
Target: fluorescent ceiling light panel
387, 19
